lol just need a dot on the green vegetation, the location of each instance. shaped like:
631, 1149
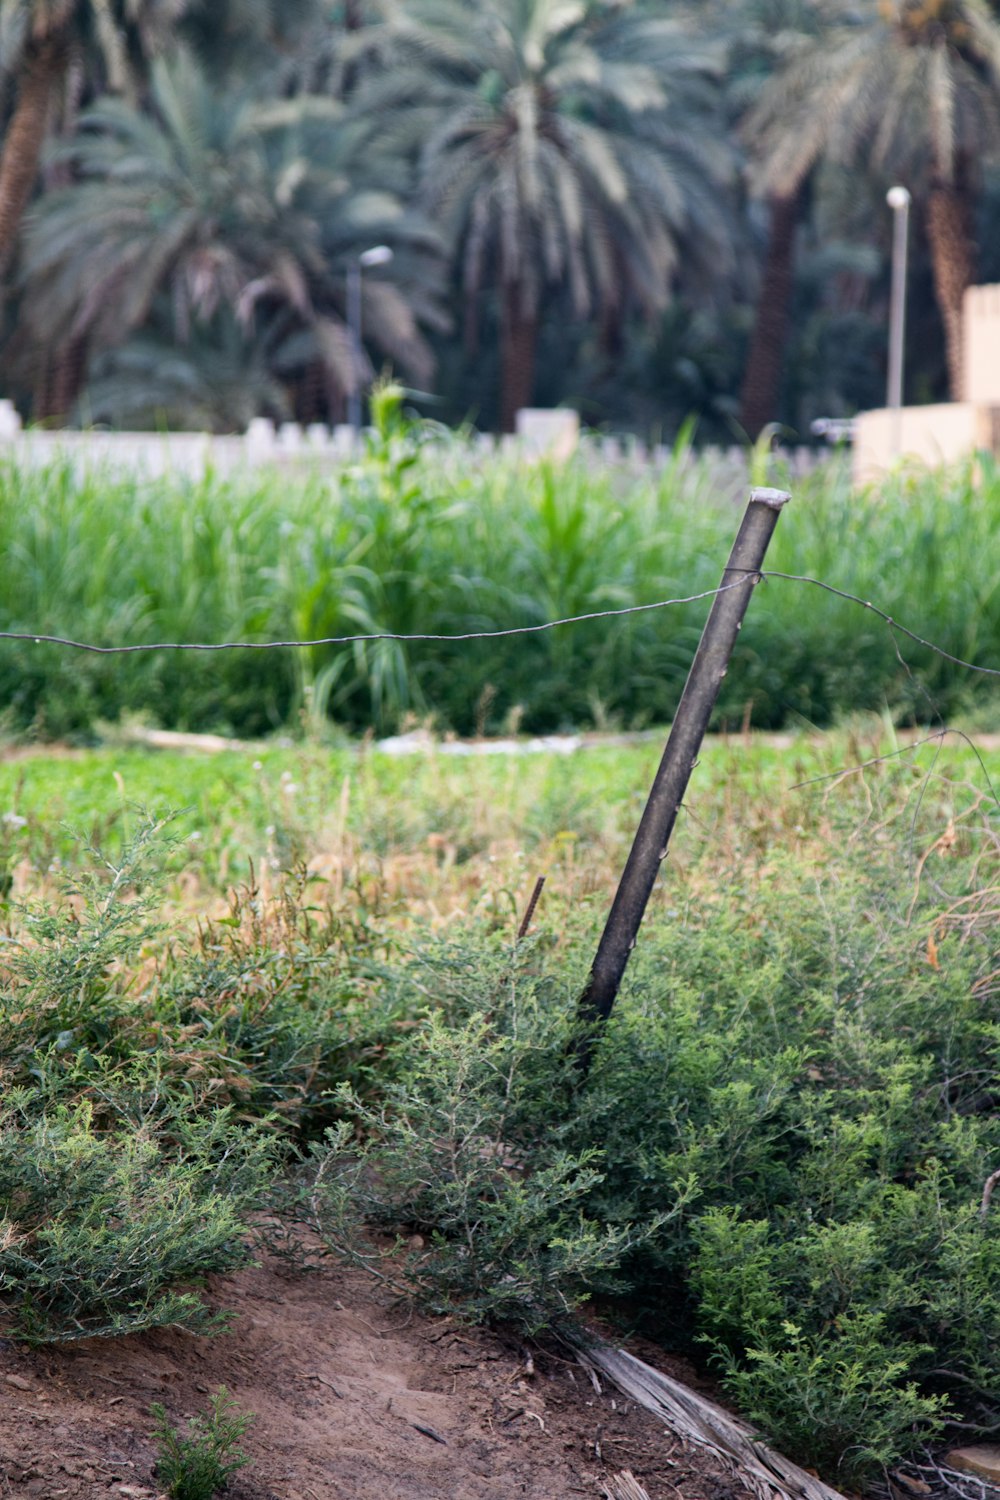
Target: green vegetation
197, 1466
648, 211
777, 1161
417, 540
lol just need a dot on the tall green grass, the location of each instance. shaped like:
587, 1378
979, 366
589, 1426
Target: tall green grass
415, 538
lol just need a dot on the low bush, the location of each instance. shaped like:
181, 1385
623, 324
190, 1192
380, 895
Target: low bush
103, 1232
147, 1094
779, 1152
466, 1156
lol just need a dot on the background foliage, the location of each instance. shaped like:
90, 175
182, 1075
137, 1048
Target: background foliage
648, 211
419, 538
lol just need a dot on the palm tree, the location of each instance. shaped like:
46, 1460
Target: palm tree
38, 40
570, 147
765, 36
223, 376
913, 88
41, 41
209, 201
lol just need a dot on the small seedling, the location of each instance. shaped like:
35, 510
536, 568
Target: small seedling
197, 1466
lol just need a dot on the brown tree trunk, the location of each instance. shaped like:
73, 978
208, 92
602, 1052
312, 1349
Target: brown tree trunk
40, 72
60, 381
518, 343
949, 230
761, 388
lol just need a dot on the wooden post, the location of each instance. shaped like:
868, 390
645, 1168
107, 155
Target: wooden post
701, 690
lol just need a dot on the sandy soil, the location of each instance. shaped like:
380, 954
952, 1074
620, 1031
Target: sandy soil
354, 1399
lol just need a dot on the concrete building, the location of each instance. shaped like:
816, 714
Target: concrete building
946, 433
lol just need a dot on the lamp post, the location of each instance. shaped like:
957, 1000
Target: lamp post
898, 200
378, 255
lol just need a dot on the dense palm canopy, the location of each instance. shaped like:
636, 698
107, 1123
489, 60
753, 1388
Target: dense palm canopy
39, 42
912, 89
569, 148
205, 203
641, 206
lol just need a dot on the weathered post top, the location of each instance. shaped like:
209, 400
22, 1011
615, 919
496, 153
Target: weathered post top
774, 498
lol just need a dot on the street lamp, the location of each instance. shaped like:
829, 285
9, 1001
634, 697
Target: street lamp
378, 255
898, 200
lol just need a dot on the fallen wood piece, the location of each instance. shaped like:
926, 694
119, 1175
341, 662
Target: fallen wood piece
983, 1460
700, 1421
429, 1432
625, 1486
173, 739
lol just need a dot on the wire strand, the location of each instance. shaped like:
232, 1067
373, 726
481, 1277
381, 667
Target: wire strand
892, 623
349, 640
491, 635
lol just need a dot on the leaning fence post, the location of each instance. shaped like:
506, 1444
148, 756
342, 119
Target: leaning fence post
741, 576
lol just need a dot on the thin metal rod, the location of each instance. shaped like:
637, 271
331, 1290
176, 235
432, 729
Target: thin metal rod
354, 327
897, 304
687, 732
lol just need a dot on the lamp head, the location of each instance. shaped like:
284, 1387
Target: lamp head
897, 198
378, 255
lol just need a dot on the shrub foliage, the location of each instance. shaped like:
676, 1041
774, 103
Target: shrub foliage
778, 1156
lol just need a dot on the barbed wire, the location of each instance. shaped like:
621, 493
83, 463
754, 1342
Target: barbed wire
889, 620
362, 637
444, 637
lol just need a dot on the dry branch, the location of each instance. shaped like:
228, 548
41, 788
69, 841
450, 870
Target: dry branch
625, 1486
690, 1416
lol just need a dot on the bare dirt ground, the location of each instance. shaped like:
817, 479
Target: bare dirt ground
354, 1398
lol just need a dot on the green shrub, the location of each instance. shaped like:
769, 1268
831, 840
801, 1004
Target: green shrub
465, 1156
197, 1466
839, 1398
104, 1231
779, 1151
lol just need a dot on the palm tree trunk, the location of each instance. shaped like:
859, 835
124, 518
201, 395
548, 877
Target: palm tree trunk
949, 230
518, 343
761, 386
22, 147
60, 381
70, 373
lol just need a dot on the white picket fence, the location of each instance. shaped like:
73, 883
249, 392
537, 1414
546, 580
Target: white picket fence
318, 448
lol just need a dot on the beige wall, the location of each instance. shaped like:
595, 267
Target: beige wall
981, 353
931, 435
548, 433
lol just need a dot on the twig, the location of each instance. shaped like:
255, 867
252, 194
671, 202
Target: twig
312, 1375
526, 919
429, 1432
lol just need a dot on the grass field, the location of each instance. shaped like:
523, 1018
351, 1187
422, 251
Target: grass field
446, 819
419, 539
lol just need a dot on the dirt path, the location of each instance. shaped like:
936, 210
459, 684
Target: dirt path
354, 1400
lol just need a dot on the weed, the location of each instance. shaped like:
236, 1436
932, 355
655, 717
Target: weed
196, 1467
466, 1155
104, 1232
